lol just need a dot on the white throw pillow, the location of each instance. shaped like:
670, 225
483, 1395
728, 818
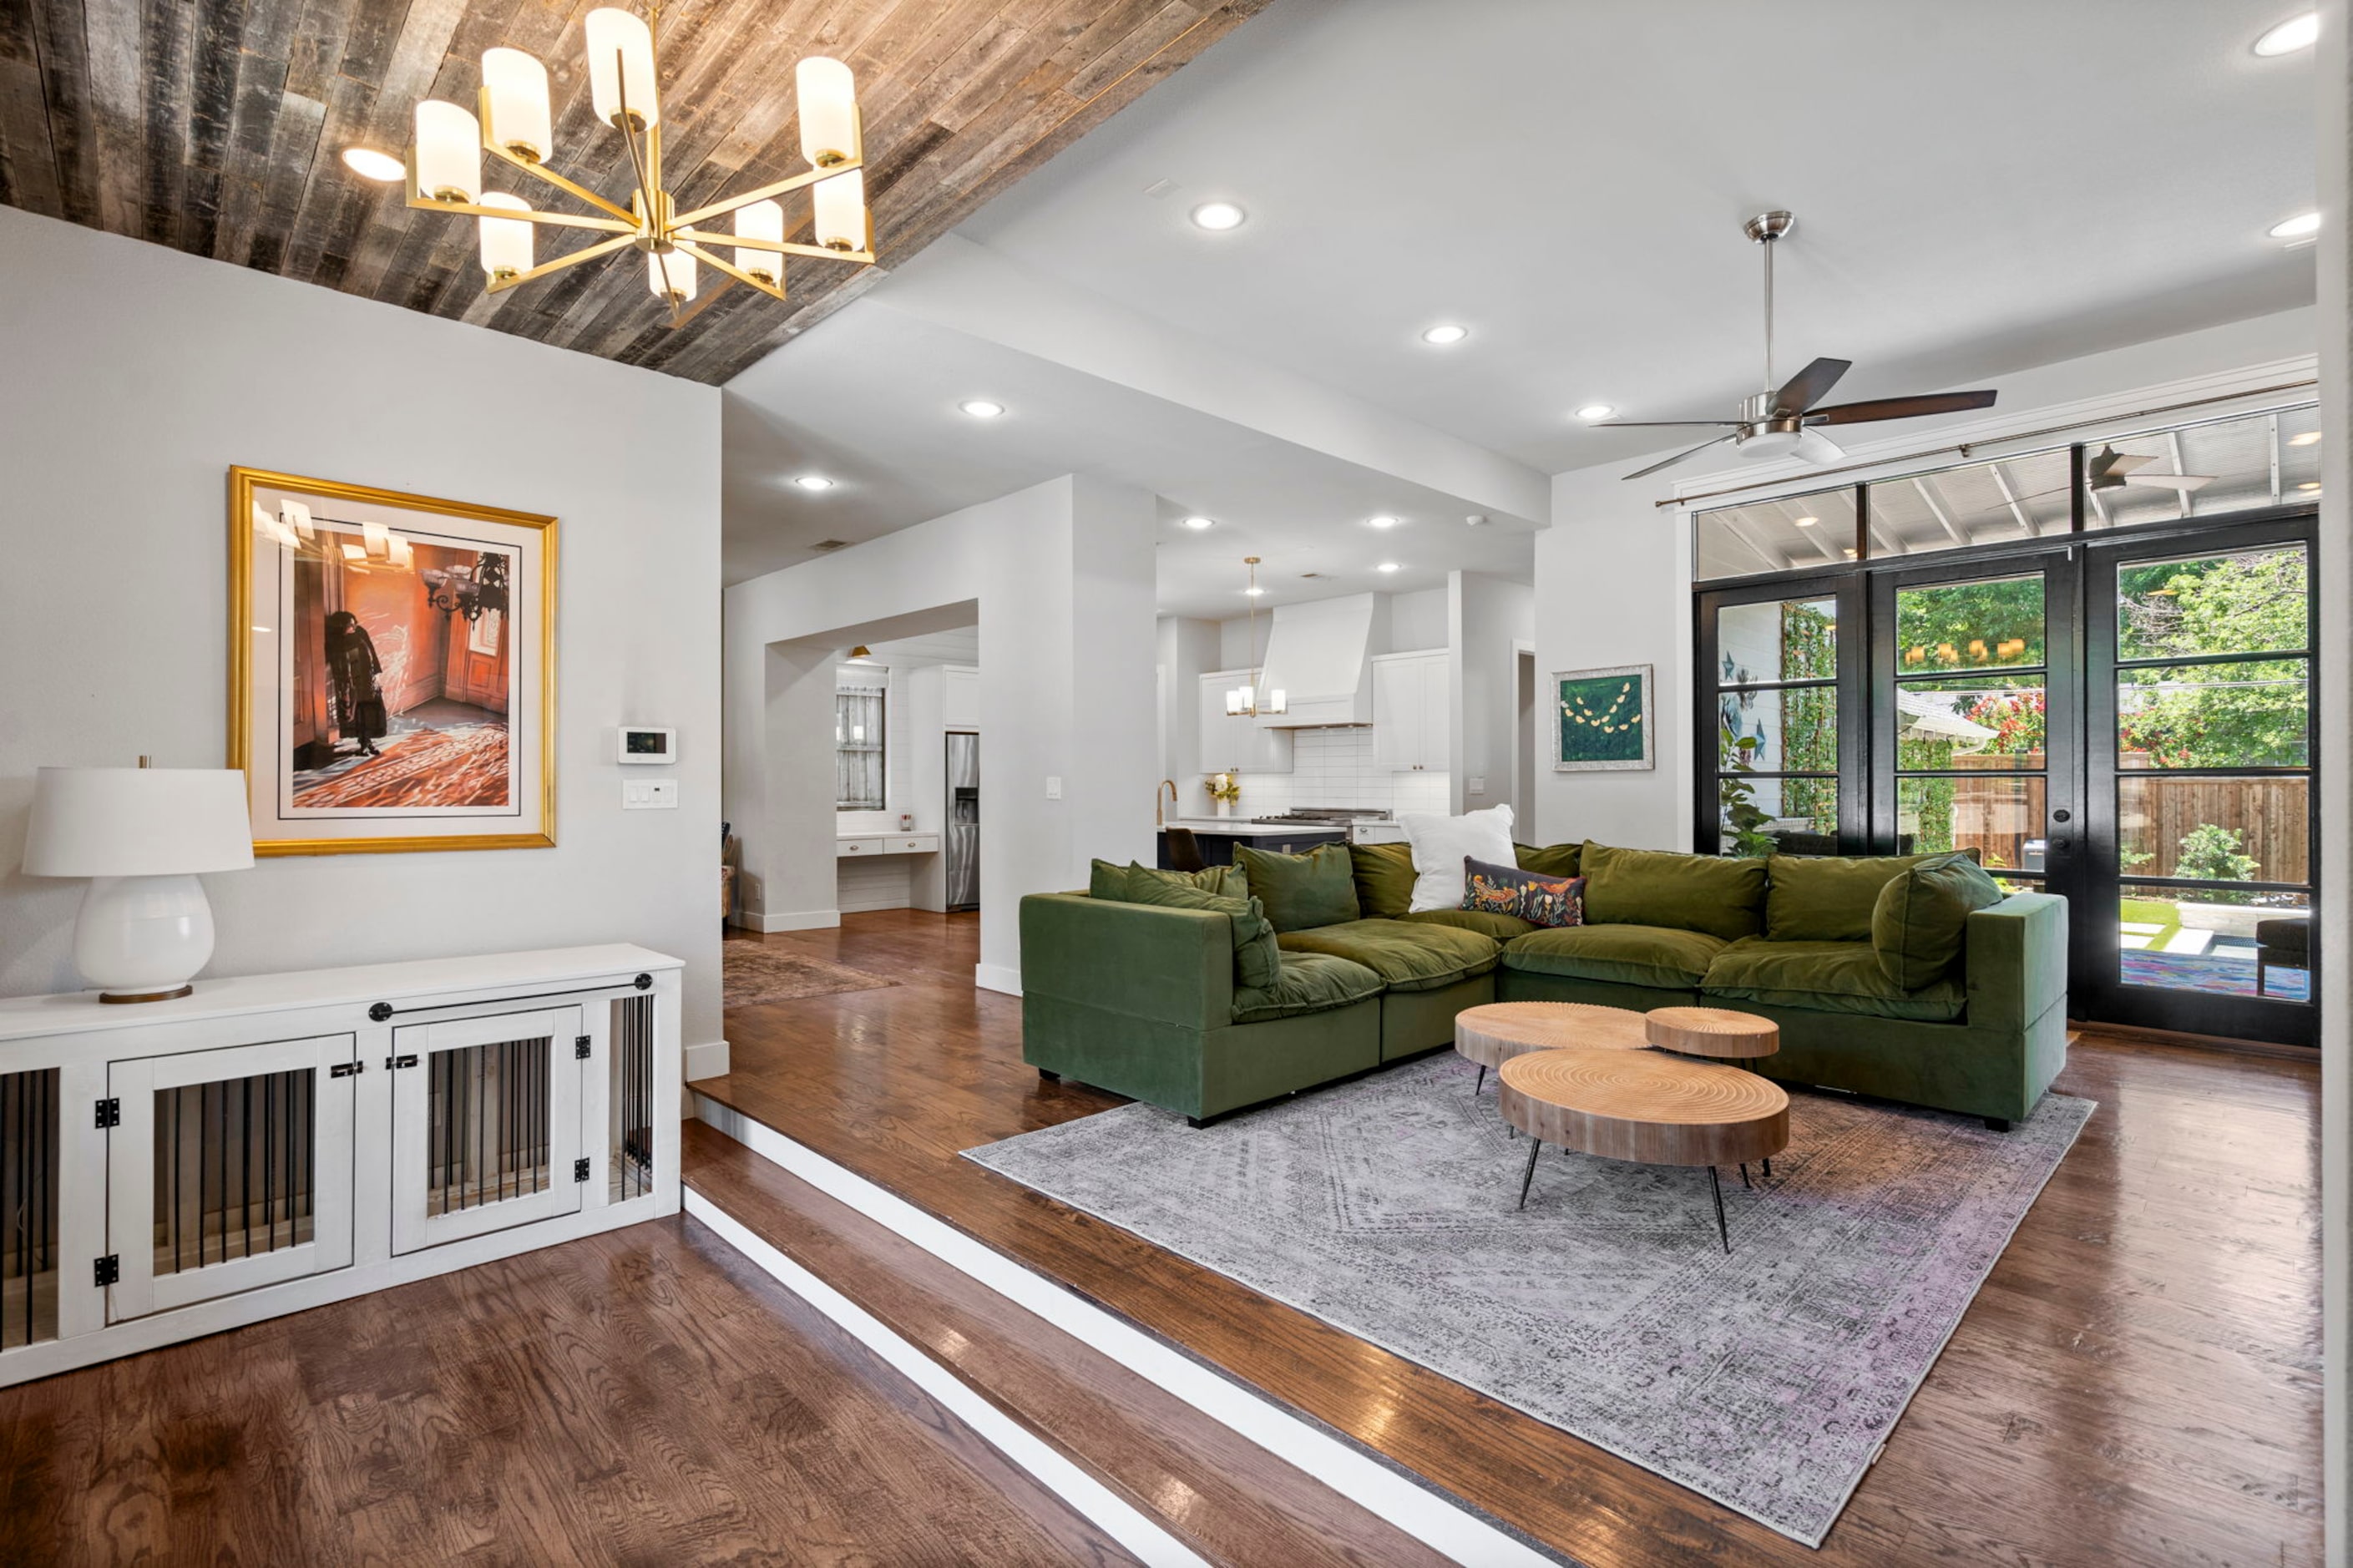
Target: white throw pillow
1439, 843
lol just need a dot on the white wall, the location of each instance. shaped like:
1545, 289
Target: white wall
1188, 649
1613, 571
1485, 615
136, 377
1060, 577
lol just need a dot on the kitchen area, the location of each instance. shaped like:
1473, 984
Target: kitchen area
907, 817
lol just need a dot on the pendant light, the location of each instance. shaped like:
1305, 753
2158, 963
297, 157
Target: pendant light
1250, 701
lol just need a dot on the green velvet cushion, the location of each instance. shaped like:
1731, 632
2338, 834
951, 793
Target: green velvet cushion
1486, 922
1921, 920
1406, 957
1827, 976
1725, 899
1657, 956
1307, 983
1256, 957
1551, 861
1301, 892
1105, 881
1829, 898
1384, 875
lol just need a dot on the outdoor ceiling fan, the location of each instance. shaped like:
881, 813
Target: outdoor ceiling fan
1776, 423
2112, 470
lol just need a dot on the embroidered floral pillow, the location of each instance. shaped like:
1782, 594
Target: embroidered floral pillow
1531, 896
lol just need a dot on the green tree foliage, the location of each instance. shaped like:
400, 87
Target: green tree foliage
2250, 714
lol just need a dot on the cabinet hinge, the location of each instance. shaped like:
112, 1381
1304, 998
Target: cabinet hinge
347, 1069
106, 1270
393, 1064
580, 1170
110, 1113
580, 1046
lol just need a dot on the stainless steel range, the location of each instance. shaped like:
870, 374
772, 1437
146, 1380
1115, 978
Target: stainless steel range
1361, 824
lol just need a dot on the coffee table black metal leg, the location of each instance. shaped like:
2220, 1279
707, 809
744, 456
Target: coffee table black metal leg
1535, 1147
1768, 1170
1481, 1084
1744, 1177
1714, 1186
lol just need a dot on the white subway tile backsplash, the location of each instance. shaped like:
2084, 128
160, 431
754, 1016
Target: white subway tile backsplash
1336, 767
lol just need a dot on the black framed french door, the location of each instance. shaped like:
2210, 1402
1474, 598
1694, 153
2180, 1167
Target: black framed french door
1782, 762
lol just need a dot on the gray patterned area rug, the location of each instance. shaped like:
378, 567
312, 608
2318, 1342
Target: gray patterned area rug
1765, 1380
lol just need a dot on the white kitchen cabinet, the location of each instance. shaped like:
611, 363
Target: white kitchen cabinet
1237, 746
1413, 711
959, 698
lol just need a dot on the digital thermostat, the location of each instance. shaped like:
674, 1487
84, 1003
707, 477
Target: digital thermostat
643, 745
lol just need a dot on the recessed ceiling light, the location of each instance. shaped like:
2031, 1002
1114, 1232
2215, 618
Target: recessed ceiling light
1197, 524
2309, 485
1218, 217
370, 165
2310, 438
2296, 33
1445, 332
981, 409
1808, 521
814, 482
1386, 566
1597, 411
2296, 227
1253, 591
1384, 521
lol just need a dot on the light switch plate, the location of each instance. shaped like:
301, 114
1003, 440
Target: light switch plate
1477, 785
648, 794
1053, 789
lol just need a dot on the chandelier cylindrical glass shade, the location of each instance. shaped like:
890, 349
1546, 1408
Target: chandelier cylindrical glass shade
448, 151
840, 204
506, 242
516, 87
671, 274
621, 65
760, 220
828, 98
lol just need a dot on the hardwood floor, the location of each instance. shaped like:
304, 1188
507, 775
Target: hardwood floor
645, 1396
2137, 1382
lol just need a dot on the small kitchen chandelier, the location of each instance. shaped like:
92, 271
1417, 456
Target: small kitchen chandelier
1245, 701
517, 125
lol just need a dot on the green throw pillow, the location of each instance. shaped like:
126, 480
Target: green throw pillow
1384, 880
1257, 960
1919, 925
1551, 861
1827, 897
1301, 892
1722, 898
1118, 883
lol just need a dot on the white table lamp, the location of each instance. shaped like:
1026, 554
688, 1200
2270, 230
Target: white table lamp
140, 834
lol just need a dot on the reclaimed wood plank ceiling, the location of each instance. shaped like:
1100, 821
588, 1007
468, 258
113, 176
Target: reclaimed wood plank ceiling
218, 126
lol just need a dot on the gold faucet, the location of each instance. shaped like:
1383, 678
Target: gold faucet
1159, 817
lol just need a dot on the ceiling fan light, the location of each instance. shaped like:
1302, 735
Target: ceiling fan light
514, 89
827, 96
506, 243
760, 220
840, 203
621, 68
1767, 444
448, 151
671, 274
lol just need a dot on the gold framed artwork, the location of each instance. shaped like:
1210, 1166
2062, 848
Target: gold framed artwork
392, 668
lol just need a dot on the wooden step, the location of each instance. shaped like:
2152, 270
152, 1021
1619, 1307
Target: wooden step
1223, 1495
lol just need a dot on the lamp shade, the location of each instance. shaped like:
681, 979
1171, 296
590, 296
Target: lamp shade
760, 220
448, 151
671, 274
621, 67
840, 204
516, 87
827, 100
506, 242
138, 821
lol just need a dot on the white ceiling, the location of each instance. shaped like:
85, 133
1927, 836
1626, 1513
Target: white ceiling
1978, 187
957, 645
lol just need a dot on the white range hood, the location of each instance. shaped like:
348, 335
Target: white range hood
1319, 656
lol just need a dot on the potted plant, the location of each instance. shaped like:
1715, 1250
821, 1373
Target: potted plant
1225, 789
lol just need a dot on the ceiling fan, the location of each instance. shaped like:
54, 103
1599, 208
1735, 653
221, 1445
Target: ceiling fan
1778, 424
2112, 469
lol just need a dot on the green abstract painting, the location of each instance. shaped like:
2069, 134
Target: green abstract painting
1604, 718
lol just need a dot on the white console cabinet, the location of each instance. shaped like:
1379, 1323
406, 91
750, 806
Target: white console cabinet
276, 1142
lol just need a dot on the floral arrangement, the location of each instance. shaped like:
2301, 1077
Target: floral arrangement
1225, 788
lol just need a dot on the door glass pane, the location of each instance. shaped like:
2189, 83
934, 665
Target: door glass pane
2000, 817
1990, 723
2252, 461
1981, 503
2224, 830
1970, 625
1783, 817
2252, 601
2240, 945
1781, 730
1777, 639
235, 1169
2252, 714
1816, 530
28, 1206
487, 1127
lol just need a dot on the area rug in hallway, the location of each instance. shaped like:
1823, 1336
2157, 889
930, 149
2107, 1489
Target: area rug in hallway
754, 973
1765, 1380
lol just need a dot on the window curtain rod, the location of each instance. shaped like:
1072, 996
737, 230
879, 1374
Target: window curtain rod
1966, 449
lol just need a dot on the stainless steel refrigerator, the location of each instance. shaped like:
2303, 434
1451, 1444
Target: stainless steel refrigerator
964, 820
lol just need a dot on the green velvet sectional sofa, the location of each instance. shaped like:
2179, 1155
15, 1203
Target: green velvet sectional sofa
1152, 986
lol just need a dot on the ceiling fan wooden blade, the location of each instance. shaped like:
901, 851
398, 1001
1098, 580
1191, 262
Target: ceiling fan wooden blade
1900, 407
1656, 424
2171, 481
1679, 457
1809, 385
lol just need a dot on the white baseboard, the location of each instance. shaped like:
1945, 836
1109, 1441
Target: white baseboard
997, 977
707, 1061
797, 920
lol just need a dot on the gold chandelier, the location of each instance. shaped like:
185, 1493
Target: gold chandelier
1252, 699
517, 125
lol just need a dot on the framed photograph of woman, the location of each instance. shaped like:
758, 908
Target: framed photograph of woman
392, 677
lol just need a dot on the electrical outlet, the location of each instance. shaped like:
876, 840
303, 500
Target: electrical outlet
648, 794
1053, 789
1477, 784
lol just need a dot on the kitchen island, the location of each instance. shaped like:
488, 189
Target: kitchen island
1218, 834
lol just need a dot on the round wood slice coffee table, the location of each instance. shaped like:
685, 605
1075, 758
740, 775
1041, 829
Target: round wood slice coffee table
1494, 1034
1711, 1032
1643, 1107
